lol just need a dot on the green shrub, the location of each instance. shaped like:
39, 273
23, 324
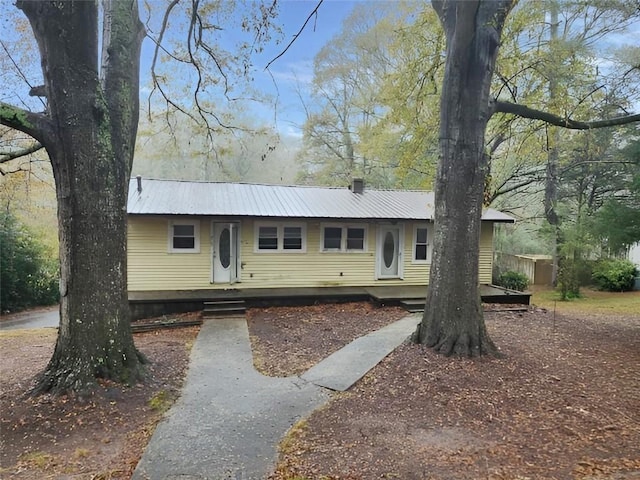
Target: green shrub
28, 274
513, 280
568, 278
614, 275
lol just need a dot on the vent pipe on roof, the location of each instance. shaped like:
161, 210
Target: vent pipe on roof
139, 179
357, 185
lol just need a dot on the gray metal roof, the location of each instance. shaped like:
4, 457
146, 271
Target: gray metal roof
172, 197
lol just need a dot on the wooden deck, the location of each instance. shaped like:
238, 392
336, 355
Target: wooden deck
155, 303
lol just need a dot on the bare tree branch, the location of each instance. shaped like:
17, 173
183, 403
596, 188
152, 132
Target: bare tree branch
527, 112
18, 69
8, 156
295, 37
158, 42
25, 166
503, 190
194, 42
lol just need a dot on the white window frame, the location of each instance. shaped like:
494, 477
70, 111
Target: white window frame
343, 239
196, 233
280, 226
414, 244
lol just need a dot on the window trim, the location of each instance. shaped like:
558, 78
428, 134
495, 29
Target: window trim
196, 234
414, 244
280, 226
343, 239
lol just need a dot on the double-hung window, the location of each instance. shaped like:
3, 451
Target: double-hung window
292, 238
184, 236
343, 238
355, 238
420, 244
280, 237
332, 239
267, 237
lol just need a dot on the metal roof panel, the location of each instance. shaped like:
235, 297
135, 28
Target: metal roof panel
175, 197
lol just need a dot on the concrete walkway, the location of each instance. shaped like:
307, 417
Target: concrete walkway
230, 418
345, 367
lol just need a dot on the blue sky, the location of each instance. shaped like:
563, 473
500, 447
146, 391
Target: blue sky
296, 65
292, 71
294, 68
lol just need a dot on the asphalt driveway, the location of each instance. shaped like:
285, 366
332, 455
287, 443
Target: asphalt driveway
47, 317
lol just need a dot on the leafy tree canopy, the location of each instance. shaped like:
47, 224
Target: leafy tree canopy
28, 275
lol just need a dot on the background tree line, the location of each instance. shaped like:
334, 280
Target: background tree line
376, 115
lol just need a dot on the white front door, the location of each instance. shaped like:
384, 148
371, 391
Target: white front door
224, 251
389, 252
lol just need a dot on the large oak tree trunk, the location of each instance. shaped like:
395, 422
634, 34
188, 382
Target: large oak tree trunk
453, 322
91, 128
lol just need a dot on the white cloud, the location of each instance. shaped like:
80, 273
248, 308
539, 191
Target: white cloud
295, 73
292, 132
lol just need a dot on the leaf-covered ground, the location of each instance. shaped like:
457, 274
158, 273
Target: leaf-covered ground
290, 340
101, 438
563, 403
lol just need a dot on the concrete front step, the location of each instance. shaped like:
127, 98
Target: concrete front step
413, 305
224, 307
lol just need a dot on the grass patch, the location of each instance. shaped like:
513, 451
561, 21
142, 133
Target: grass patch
28, 332
161, 401
591, 301
289, 442
110, 475
39, 460
289, 447
81, 453
258, 360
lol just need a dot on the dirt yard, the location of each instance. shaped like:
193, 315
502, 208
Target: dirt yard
563, 403
103, 438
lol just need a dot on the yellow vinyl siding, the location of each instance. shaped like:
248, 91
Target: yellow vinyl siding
311, 269
413, 273
486, 253
152, 267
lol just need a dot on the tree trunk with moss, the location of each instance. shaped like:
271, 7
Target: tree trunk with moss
453, 321
88, 130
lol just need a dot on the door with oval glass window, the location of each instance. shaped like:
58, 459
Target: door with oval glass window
389, 252
224, 251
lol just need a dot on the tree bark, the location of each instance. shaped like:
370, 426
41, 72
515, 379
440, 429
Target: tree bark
553, 152
453, 322
90, 144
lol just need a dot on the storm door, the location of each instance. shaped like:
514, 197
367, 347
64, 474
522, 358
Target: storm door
225, 252
389, 251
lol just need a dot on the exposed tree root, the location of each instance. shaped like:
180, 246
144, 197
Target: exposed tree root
71, 374
451, 341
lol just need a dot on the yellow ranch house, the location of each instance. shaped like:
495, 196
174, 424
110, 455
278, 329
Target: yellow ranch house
193, 242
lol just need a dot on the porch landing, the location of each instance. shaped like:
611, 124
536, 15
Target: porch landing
155, 303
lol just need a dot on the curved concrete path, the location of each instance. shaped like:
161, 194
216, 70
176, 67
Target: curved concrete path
230, 418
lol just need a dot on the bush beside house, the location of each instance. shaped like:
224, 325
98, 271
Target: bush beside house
615, 275
513, 280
